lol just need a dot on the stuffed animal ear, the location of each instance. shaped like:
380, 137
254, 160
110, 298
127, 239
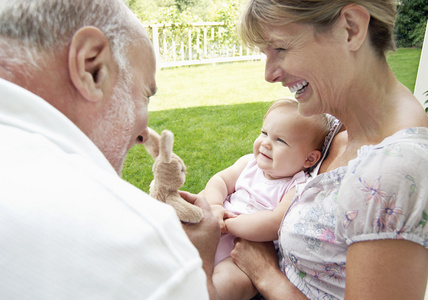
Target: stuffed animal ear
166, 145
152, 144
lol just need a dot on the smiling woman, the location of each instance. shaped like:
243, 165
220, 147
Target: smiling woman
338, 48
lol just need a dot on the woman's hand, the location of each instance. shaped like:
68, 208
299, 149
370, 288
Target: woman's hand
260, 262
254, 258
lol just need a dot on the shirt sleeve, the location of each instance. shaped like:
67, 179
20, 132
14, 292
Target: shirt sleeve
384, 194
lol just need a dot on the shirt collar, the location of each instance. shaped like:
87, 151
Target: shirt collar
26, 111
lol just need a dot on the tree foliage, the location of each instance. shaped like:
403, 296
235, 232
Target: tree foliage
184, 11
411, 22
180, 14
409, 31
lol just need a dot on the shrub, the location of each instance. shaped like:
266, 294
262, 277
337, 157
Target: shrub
411, 23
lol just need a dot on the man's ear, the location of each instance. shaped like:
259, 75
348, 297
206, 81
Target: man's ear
356, 20
312, 158
89, 62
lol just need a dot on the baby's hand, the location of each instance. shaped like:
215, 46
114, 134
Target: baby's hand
229, 215
219, 212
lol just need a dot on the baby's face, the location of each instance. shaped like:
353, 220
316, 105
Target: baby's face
283, 145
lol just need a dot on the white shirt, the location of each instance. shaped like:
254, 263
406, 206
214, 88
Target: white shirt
70, 227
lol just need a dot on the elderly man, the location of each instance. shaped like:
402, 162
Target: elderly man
75, 81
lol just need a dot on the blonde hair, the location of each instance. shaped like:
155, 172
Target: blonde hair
322, 14
318, 124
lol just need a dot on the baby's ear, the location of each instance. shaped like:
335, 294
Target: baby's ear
152, 144
312, 158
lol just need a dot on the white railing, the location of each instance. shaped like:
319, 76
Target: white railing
198, 43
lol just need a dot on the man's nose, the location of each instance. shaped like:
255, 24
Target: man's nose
143, 137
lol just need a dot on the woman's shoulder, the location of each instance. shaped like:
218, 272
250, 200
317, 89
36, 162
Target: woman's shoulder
384, 191
406, 144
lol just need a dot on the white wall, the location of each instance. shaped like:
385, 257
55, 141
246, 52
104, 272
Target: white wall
422, 78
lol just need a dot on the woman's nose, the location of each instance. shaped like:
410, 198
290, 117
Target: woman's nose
273, 70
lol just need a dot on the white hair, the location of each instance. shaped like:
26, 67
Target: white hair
32, 31
29, 28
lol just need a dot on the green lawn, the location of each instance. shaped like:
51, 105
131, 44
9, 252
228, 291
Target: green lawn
219, 84
404, 62
215, 113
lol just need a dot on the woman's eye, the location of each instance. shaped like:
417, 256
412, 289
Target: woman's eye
280, 50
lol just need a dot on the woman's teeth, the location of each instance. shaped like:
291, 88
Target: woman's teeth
299, 87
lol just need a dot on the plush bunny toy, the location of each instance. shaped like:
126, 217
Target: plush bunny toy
169, 174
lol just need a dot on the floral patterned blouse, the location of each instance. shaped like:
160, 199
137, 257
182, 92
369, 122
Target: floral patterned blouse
381, 194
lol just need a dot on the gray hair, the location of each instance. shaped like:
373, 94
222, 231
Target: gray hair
31, 27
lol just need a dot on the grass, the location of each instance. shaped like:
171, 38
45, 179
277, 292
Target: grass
404, 63
207, 138
215, 113
219, 84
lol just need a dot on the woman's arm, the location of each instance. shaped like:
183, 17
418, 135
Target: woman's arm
261, 226
260, 262
386, 269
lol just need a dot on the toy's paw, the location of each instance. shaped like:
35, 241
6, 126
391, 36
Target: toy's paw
186, 211
191, 216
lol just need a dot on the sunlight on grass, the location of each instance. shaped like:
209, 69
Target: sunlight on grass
219, 84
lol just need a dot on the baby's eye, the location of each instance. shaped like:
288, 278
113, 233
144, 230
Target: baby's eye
263, 133
281, 141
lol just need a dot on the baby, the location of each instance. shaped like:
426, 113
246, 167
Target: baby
251, 197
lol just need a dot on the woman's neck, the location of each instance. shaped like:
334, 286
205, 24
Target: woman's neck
377, 107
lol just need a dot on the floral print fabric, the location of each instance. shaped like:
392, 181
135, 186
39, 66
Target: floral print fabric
381, 194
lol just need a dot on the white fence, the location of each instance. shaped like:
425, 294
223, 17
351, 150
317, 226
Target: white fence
198, 43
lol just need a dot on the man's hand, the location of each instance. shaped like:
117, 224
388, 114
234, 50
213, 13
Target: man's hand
205, 236
221, 215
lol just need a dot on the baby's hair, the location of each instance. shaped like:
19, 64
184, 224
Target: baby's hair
288, 102
319, 123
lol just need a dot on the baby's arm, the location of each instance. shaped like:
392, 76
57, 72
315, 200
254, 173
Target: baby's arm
261, 226
221, 185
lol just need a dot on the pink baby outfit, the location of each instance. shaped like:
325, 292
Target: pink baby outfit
254, 192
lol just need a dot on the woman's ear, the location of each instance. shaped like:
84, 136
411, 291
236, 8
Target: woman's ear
312, 158
90, 61
356, 20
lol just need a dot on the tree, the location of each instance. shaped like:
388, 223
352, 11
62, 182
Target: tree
171, 11
411, 22
181, 13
